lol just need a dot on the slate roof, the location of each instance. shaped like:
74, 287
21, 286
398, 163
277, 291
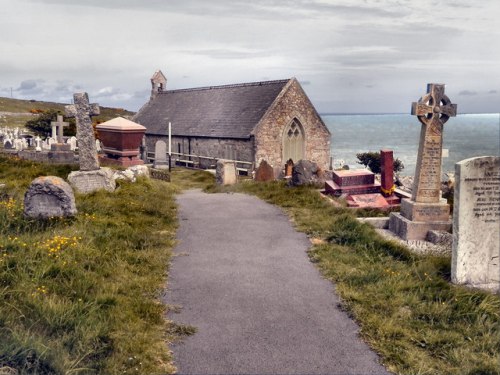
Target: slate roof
230, 111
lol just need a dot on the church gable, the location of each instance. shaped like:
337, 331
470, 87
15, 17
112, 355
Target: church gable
292, 128
231, 111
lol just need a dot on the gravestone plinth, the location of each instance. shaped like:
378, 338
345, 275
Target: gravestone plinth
426, 210
476, 223
48, 197
352, 182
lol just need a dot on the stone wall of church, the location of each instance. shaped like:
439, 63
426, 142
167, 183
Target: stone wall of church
218, 148
293, 103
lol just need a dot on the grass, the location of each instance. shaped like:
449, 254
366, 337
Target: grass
406, 307
19, 106
82, 295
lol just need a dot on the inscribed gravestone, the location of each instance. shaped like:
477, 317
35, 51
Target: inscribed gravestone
426, 210
49, 197
476, 222
82, 110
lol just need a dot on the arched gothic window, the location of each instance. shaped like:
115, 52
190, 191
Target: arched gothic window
293, 142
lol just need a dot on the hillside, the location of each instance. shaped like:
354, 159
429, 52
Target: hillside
15, 112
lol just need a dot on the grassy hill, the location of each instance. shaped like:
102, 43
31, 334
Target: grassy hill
19, 111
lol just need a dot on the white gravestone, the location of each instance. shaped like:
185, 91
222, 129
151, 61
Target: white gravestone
225, 172
476, 223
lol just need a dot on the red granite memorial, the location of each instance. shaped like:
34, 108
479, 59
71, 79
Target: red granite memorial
121, 139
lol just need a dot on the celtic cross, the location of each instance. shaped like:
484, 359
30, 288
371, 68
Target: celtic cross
432, 110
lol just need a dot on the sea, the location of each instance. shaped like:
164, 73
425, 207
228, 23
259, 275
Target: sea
464, 136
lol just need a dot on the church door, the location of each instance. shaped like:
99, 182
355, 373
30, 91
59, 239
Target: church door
293, 142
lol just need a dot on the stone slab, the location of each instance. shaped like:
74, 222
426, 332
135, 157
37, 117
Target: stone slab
49, 196
332, 188
376, 222
86, 182
476, 223
353, 177
414, 230
428, 212
367, 201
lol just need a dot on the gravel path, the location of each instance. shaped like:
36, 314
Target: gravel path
243, 278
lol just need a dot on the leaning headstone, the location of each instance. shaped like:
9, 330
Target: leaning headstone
160, 155
90, 177
48, 197
265, 172
225, 172
476, 223
82, 110
426, 210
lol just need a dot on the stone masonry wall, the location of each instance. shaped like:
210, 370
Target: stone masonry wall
294, 103
220, 148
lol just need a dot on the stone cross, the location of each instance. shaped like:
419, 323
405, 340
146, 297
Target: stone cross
82, 111
432, 110
60, 124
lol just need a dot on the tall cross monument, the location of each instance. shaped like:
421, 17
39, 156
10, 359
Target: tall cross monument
82, 110
427, 210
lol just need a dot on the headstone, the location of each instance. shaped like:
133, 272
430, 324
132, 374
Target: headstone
48, 197
288, 168
89, 181
225, 172
426, 210
18, 144
387, 173
58, 128
476, 223
264, 172
98, 145
160, 155
38, 143
82, 110
7, 144
72, 143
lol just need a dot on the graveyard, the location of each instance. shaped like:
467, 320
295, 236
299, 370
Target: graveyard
83, 263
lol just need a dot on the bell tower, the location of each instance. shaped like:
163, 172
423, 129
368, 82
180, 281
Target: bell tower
158, 83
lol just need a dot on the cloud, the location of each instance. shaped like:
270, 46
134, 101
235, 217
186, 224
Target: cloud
467, 93
492, 92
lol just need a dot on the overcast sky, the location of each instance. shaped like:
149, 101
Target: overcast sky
350, 55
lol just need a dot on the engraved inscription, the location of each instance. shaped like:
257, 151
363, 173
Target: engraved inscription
486, 191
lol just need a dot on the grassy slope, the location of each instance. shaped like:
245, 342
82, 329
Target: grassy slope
82, 295
408, 311
24, 106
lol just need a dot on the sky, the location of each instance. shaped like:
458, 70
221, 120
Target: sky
351, 56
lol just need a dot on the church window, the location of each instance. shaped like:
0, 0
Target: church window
293, 142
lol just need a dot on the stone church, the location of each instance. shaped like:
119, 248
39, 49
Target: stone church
272, 120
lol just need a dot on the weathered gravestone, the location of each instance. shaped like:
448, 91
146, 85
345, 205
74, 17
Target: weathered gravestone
476, 223
387, 173
58, 128
160, 155
49, 197
426, 210
289, 168
90, 177
225, 172
264, 172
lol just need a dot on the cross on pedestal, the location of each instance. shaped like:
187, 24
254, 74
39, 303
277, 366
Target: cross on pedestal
82, 110
432, 110
60, 124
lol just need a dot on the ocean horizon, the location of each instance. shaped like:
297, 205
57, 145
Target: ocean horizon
466, 135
